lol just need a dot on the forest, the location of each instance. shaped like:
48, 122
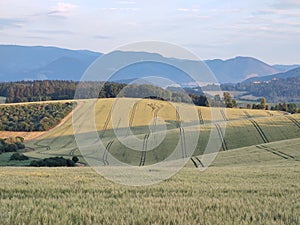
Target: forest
31, 91
33, 117
277, 90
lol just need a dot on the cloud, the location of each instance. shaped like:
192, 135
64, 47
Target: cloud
10, 23
62, 9
287, 4
188, 9
102, 37
126, 2
280, 12
116, 9
65, 32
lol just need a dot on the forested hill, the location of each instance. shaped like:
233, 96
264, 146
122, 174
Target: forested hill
277, 90
30, 91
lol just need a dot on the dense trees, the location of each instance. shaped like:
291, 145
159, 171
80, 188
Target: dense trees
53, 162
229, 102
277, 90
33, 117
29, 91
11, 144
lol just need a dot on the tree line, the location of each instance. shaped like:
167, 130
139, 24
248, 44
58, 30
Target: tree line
33, 117
29, 91
277, 90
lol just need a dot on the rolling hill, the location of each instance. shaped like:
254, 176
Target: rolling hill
39, 62
291, 73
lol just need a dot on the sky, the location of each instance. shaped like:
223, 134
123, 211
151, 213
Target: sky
265, 29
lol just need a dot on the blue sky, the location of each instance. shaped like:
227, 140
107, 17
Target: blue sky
265, 29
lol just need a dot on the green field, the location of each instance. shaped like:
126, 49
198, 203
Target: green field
243, 186
240, 131
255, 178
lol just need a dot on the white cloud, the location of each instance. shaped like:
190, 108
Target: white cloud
62, 8
126, 2
188, 9
119, 9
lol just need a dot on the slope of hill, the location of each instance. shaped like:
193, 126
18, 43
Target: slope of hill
239, 68
240, 130
291, 73
39, 62
285, 68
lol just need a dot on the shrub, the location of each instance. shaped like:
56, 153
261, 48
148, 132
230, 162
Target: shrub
18, 156
75, 159
52, 162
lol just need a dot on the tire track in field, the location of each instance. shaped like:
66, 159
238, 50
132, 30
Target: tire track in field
105, 154
131, 118
247, 114
182, 142
196, 160
223, 115
200, 116
181, 133
259, 130
294, 121
177, 117
222, 138
276, 152
48, 147
144, 151
108, 118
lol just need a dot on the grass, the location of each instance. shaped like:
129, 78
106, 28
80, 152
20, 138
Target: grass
244, 186
258, 184
240, 132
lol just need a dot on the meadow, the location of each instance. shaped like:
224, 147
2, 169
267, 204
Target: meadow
243, 186
240, 130
255, 178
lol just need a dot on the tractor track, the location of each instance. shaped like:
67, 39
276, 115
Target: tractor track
105, 154
222, 138
247, 114
195, 160
200, 116
144, 151
106, 123
276, 152
182, 142
259, 130
294, 121
223, 115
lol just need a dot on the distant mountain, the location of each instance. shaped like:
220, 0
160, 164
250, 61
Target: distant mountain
39, 62
288, 74
285, 68
239, 69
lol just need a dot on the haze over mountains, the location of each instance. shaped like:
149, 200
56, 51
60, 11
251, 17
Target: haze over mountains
38, 63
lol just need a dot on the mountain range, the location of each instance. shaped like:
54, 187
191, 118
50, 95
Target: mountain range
40, 62
291, 73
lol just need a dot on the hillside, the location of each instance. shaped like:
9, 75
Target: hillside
241, 130
289, 74
39, 62
239, 68
248, 185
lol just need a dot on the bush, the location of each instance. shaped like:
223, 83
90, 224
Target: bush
52, 162
18, 156
75, 159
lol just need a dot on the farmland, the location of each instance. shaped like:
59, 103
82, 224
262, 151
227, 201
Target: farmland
240, 131
243, 186
254, 179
